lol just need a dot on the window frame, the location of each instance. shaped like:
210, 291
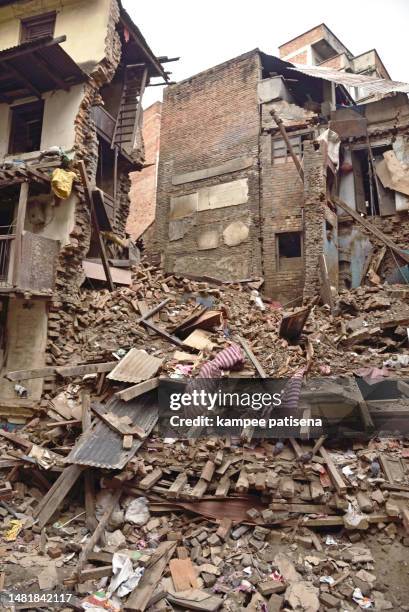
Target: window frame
14, 112
279, 258
37, 21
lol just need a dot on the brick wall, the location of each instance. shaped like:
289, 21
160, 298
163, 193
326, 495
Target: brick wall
300, 58
302, 41
314, 216
337, 62
208, 120
282, 202
143, 184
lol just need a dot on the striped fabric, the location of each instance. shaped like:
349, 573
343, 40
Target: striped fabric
229, 358
292, 390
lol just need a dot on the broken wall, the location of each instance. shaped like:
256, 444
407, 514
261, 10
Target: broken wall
26, 343
208, 190
314, 216
143, 184
282, 203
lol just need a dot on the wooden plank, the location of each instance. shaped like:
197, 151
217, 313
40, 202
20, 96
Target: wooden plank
18, 440
336, 477
223, 487
141, 595
30, 374
223, 531
259, 368
372, 229
183, 574
88, 368
208, 471
56, 495
301, 508
176, 488
161, 332
138, 389
151, 479
94, 218
127, 442
66, 371
133, 430
94, 539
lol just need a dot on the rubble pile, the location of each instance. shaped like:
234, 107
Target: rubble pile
368, 323
94, 501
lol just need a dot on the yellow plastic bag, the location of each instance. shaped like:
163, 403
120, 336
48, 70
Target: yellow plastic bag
61, 182
15, 527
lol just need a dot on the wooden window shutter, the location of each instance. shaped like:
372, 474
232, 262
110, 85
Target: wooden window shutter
37, 27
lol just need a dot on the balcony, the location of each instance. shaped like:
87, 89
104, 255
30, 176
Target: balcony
7, 242
28, 261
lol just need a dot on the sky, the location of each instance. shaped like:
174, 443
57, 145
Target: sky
205, 33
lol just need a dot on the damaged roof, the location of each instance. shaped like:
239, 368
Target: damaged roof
138, 45
35, 67
372, 85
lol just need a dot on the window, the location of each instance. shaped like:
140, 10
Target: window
37, 27
26, 127
289, 250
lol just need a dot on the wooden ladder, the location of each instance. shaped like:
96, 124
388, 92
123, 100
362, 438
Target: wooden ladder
130, 110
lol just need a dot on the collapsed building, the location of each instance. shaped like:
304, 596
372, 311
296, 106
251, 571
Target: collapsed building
64, 101
231, 203
96, 500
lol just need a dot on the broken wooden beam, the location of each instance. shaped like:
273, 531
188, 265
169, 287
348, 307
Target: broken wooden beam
336, 477
56, 495
94, 218
140, 597
370, 227
137, 390
259, 368
65, 371
94, 539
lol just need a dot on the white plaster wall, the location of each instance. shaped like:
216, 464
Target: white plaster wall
60, 110
59, 220
84, 23
78, 20
26, 343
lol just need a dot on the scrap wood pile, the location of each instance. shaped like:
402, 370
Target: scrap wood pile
93, 498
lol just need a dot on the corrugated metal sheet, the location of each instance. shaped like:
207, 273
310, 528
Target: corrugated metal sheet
135, 367
101, 446
372, 85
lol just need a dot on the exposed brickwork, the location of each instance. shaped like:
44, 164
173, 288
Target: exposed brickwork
65, 308
334, 62
143, 184
302, 41
300, 58
314, 216
208, 120
282, 203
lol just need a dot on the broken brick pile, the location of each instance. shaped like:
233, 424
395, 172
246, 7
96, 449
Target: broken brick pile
216, 523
